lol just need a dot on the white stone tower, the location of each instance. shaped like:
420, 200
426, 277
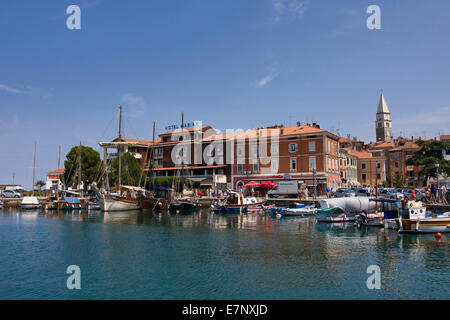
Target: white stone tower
383, 123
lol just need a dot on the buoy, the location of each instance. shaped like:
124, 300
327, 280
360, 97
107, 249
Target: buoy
303, 215
438, 236
386, 238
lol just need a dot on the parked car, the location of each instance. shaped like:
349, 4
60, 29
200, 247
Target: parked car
10, 194
420, 194
363, 192
390, 194
342, 193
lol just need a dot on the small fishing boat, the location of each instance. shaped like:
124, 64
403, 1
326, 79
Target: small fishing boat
414, 219
334, 215
157, 199
268, 208
234, 203
68, 203
183, 204
298, 209
30, 203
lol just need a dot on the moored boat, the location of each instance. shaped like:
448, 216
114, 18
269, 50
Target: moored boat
68, 203
414, 219
234, 203
334, 215
299, 210
157, 199
30, 203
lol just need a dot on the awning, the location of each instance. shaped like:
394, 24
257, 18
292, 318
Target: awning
251, 184
206, 182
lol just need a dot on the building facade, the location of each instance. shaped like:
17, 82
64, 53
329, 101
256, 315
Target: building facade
304, 153
371, 169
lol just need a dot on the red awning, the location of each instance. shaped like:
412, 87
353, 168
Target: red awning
251, 184
267, 185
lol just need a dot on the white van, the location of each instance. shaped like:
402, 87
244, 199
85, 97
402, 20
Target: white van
284, 188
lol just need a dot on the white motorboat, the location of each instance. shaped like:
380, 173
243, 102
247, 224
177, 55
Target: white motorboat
30, 203
299, 210
414, 219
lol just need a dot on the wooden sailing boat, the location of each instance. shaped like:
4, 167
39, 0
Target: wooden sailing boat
126, 197
158, 198
179, 202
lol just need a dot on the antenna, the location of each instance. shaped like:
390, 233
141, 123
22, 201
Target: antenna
59, 157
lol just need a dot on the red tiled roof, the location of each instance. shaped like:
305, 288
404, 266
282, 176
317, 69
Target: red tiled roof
58, 171
362, 154
407, 145
382, 145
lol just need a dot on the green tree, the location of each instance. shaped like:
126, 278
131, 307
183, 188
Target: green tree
40, 184
399, 180
132, 173
91, 166
429, 154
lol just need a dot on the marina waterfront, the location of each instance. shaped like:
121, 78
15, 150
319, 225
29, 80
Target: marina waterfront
201, 255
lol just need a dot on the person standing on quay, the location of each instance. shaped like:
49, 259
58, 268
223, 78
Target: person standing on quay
444, 194
433, 193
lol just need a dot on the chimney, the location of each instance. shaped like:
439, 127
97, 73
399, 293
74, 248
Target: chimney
299, 123
281, 131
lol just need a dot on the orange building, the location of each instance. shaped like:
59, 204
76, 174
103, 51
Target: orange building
304, 153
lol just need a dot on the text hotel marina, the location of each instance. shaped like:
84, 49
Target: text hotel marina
305, 153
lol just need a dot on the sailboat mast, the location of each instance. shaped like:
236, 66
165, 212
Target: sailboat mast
59, 158
182, 160
153, 153
79, 168
34, 168
118, 151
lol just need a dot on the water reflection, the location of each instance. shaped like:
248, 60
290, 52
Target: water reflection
254, 256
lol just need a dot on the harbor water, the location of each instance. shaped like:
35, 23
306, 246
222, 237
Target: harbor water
145, 255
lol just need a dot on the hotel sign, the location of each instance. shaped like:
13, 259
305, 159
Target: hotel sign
186, 125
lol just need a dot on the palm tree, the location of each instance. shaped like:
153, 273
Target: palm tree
40, 184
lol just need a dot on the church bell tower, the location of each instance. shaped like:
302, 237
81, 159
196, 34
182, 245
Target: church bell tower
383, 122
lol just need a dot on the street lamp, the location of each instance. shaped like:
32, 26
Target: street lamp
437, 173
314, 187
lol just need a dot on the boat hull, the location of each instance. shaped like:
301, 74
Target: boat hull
154, 204
117, 204
427, 225
335, 218
30, 206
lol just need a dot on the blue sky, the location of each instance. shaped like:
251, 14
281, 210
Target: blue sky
229, 63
